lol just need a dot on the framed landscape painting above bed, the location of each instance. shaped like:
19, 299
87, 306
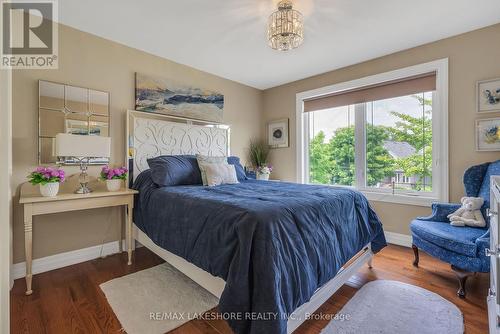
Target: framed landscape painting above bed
165, 96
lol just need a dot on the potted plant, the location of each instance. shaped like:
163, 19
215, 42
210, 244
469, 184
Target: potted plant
259, 152
263, 172
48, 180
114, 177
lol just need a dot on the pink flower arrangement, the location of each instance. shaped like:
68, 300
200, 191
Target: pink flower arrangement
265, 169
44, 175
114, 173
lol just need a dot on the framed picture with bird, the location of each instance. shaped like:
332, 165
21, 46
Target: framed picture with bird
488, 96
488, 134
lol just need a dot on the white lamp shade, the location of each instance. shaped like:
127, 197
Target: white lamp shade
80, 146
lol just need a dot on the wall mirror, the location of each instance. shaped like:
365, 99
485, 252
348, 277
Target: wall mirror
69, 109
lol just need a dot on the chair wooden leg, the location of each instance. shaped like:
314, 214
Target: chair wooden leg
415, 252
462, 278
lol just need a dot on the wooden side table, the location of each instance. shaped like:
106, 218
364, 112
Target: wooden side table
34, 205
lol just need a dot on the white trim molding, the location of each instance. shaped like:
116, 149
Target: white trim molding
5, 197
65, 259
439, 139
398, 239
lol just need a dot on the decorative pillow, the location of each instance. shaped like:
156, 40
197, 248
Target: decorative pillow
205, 159
175, 170
220, 174
240, 171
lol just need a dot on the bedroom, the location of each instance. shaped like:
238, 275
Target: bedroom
372, 115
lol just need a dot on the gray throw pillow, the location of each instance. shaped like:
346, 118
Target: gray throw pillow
205, 159
220, 174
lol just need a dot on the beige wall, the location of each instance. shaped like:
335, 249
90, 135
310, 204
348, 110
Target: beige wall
473, 56
89, 61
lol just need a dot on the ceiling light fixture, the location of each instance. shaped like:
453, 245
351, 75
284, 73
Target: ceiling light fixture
285, 29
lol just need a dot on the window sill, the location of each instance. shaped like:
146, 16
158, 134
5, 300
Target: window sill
400, 198
417, 200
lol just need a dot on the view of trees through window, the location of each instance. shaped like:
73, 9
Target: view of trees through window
398, 143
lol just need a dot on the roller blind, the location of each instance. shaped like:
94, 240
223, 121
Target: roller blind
401, 87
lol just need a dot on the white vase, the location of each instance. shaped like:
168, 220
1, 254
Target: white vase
262, 177
49, 189
114, 185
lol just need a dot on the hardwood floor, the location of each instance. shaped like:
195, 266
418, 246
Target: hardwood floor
69, 300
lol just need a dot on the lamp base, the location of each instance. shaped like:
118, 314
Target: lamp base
83, 189
83, 179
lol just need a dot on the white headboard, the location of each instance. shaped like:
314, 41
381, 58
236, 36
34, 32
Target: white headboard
150, 135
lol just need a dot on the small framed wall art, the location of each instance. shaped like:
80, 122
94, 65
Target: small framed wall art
488, 96
488, 134
278, 133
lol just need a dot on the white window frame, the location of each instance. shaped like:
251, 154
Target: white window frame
439, 134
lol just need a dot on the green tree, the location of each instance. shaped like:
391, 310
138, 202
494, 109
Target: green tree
379, 163
416, 164
320, 161
333, 162
417, 131
341, 150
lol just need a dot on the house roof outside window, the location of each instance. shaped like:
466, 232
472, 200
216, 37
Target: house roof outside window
398, 149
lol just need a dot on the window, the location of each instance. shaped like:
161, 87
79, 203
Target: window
385, 135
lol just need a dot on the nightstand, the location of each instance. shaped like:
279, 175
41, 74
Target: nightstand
34, 204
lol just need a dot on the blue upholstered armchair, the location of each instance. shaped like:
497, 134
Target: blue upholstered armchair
462, 247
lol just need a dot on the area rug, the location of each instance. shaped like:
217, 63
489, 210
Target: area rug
385, 306
156, 300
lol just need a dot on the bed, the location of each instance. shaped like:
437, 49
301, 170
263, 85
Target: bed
273, 252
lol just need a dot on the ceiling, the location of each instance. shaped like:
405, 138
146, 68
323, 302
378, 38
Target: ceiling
228, 37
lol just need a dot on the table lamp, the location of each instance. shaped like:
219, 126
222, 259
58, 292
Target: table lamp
82, 148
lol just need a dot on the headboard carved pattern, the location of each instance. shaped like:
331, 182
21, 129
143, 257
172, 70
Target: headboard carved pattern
154, 135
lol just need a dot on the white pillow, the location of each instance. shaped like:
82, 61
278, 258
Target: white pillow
220, 174
205, 159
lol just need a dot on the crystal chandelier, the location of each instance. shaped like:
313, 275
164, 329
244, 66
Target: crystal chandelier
285, 27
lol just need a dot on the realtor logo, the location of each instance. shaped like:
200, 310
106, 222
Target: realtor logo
29, 35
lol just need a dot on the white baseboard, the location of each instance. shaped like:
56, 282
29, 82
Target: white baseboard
65, 259
398, 239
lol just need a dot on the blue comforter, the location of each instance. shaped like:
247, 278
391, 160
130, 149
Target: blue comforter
274, 243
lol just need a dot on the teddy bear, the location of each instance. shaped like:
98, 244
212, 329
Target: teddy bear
469, 214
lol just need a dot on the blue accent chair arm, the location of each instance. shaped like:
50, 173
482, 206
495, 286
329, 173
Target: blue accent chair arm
486, 235
482, 243
440, 211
